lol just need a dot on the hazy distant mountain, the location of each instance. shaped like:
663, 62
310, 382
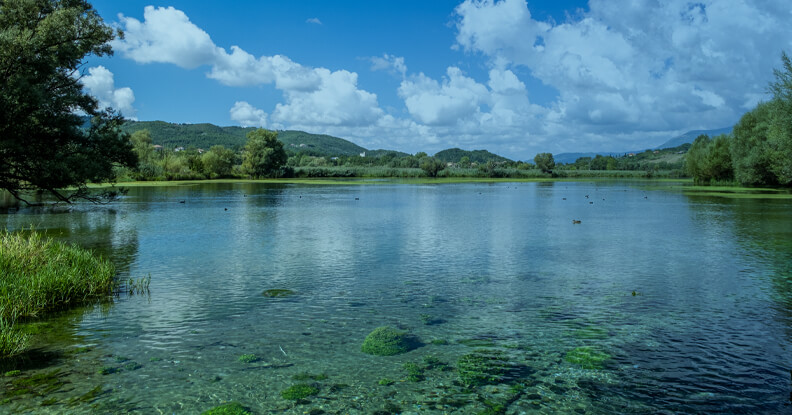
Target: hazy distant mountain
690, 136
452, 155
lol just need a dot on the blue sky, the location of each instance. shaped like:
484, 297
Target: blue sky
511, 76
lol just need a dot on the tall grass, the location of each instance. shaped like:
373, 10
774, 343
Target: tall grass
38, 275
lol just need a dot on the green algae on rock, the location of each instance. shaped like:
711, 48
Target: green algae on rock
299, 392
587, 357
231, 408
387, 341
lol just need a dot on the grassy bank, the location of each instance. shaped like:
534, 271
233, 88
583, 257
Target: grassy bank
38, 275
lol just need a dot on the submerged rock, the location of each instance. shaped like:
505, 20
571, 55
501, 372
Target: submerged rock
387, 341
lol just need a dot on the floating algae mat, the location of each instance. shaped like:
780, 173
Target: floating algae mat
422, 298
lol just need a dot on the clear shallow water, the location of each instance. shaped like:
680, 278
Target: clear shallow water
479, 266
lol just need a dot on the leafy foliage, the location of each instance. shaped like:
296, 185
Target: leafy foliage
264, 154
762, 147
710, 160
42, 144
544, 162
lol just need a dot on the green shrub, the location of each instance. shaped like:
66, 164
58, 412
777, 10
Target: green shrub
387, 341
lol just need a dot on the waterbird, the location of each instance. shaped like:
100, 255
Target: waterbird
182, 201
575, 221
357, 198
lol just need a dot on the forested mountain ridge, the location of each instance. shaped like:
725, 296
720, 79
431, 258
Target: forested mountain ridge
207, 135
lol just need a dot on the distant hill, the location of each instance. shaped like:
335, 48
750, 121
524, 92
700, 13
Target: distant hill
686, 138
567, 158
206, 135
452, 155
382, 153
690, 136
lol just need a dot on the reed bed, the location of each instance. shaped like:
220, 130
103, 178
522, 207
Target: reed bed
38, 275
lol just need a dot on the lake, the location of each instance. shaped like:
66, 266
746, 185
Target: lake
656, 302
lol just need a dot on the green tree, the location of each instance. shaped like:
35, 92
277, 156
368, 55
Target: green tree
762, 146
43, 145
750, 150
464, 162
218, 161
696, 158
264, 154
431, 166
545, 162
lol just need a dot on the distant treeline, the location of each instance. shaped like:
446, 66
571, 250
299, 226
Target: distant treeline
759, 150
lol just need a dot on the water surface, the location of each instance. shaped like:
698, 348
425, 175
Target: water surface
685, 300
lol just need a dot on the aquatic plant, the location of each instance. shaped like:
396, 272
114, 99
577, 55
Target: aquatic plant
415, 373
278, 293
299, 392
138, 286
587, 357
432, 362
12, 373
38, 275
387, 341
86, 397
130, 366
39, 384
482, 367
386, 382
12, 341
249, 358
477, 342
107, 370
439, 342
231, 408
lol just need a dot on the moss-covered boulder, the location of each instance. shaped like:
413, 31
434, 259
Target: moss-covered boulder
299, 392
388, 341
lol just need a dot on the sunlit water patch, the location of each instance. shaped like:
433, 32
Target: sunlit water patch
655, 302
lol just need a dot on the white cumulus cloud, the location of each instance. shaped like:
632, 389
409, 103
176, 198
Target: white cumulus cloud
247, 115
101, 84
314, 96
389, 63
631, 68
